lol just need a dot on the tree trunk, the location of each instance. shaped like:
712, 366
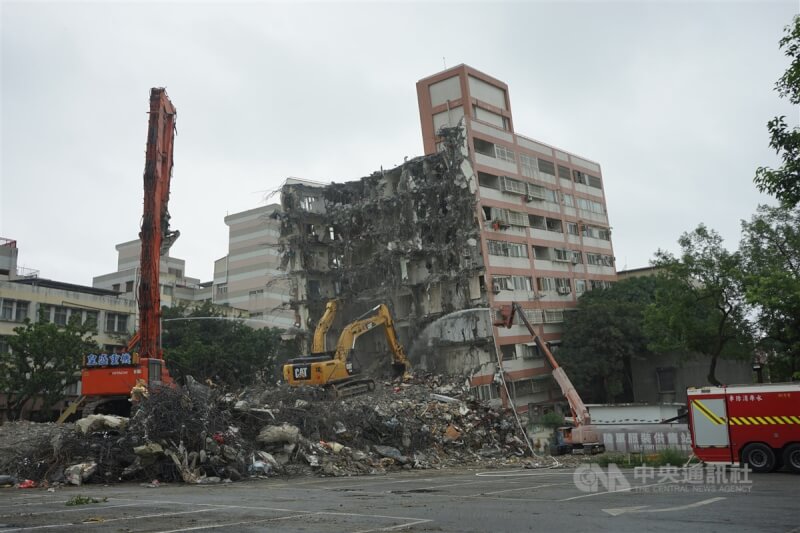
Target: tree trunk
712, 371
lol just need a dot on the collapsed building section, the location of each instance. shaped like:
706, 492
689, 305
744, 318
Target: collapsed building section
407, 237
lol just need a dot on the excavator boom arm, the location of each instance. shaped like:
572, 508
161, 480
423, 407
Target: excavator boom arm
353, 331
155, 234
318, 345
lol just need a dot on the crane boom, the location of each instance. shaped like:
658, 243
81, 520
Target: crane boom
155, 236
580, 414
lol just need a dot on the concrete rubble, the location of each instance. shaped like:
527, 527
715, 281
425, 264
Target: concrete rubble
200, 435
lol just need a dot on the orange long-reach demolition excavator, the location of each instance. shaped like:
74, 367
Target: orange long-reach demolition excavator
582, 438
108, 379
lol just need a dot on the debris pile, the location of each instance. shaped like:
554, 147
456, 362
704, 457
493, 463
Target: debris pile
201, 435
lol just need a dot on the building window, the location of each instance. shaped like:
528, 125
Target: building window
580, 286
596, 232
600, 260
501, 152
528, 166
512, 283
513, 186
60, 316
572, 228
222, 289
488, 180
563, 172
568, 200
536, 221
486, 392
563, 286
541, 253
509, 352
116, 323
523, 387
534, 316
562, 256
483, 147
13, 310
257, 293
7, 312
4, 347
546, 284
115, 287
76, 316
128, 286
547, 167
553, 224
507, 249
554, 316
599, 284
307, 202
530, 352
591, 206
45, 312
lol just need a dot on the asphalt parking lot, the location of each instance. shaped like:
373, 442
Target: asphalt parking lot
420, 501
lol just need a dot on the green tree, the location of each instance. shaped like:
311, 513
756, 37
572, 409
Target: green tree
704, 310
44, 359
602, 337
770, 249
784, 182
211, 346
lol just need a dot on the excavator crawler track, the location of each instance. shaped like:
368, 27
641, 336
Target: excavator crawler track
341, 390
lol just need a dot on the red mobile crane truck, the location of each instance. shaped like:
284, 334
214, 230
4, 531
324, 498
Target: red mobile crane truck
757, 425
107, 379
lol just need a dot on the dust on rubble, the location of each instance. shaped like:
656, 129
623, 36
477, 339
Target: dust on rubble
204, 435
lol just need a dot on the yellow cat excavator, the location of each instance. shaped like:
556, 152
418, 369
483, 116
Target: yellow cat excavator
335, 371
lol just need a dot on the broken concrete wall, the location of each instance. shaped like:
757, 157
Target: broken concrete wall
407, 237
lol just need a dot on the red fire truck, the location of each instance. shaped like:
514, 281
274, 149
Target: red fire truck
757, 425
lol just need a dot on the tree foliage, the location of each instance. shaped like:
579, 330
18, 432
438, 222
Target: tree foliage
44, 359
784, 182
770, 249
602, 337
704, 310
201, 342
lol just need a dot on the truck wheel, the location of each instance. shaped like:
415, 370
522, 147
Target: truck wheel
759, 457
791, 457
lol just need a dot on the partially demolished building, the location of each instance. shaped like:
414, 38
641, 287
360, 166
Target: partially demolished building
485, 218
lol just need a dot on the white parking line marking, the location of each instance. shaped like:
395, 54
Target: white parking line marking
523, 473
518, 488
408, 522
87, 524
643, 508
68, 510
231, 524
601, 493
216, 505
398, 526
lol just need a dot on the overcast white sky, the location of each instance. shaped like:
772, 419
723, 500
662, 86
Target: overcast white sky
671, 98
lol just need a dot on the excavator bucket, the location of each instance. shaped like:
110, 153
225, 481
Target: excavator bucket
400, 370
